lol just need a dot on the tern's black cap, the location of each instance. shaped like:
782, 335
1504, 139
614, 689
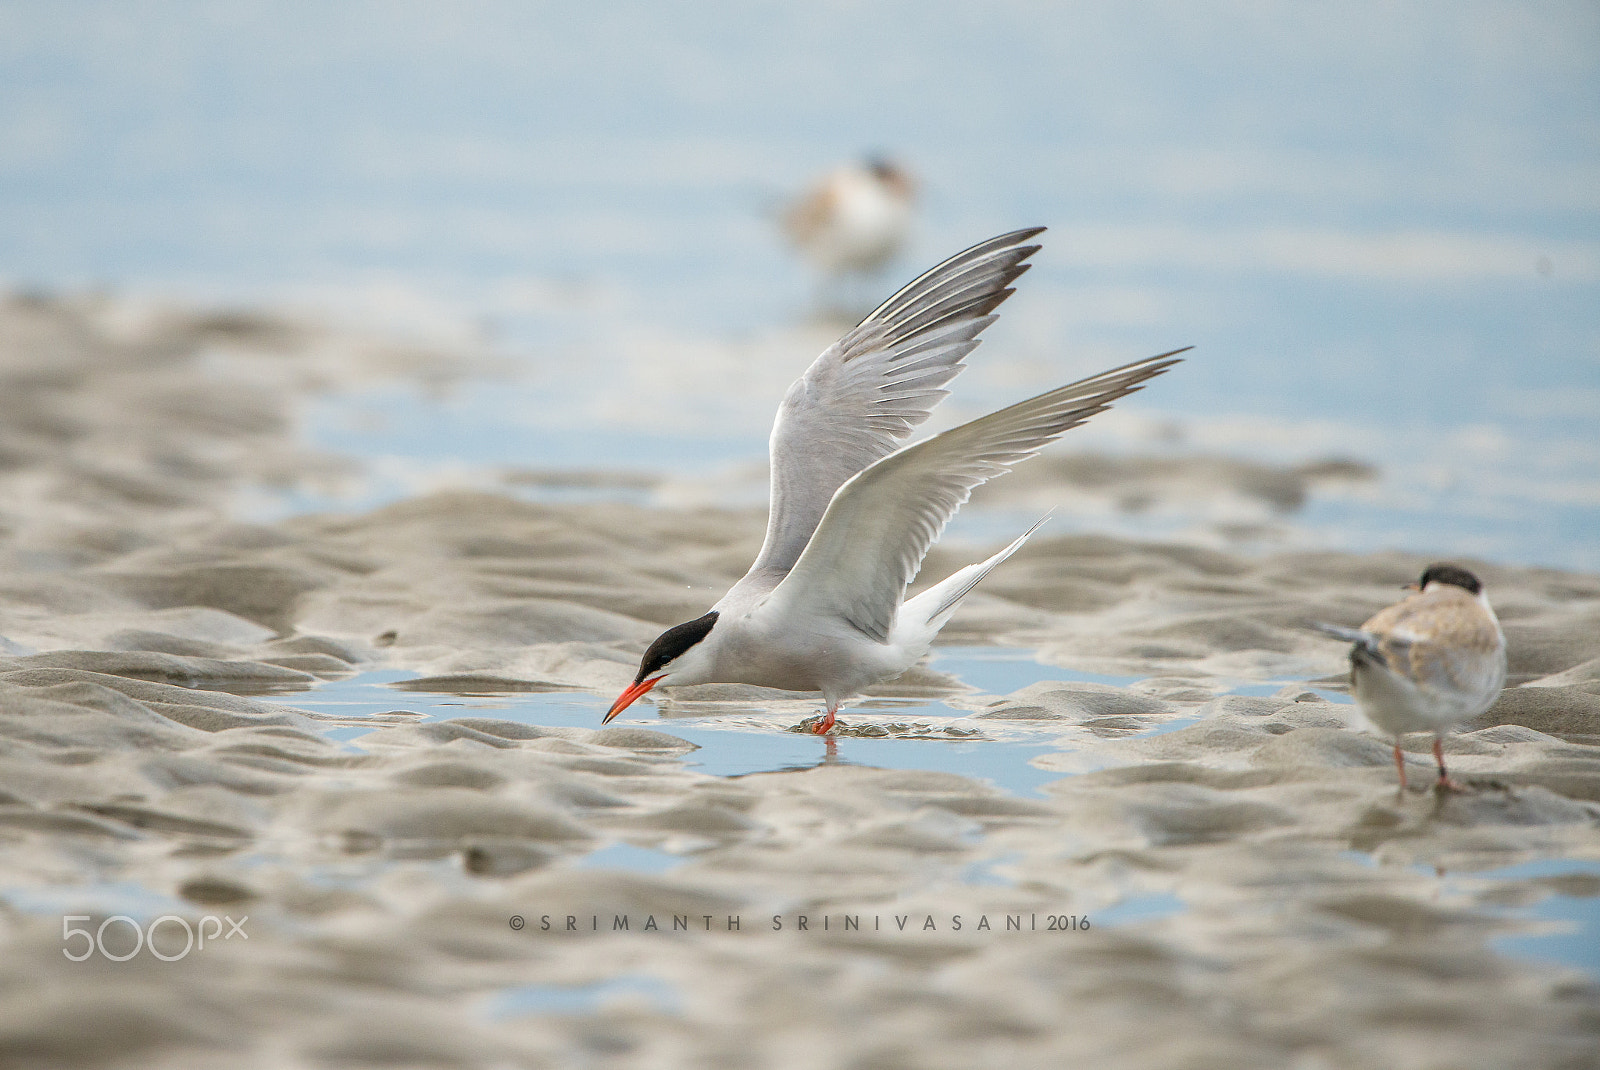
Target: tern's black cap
671, 643
1451, 574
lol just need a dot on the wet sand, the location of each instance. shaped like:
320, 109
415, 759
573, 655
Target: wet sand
1257, 891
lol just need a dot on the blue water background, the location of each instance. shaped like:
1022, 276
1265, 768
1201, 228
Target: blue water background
1379, 224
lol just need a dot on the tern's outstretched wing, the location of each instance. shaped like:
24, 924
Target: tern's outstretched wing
861, 398
879, 525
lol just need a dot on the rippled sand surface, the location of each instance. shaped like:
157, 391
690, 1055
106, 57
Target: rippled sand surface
451, 891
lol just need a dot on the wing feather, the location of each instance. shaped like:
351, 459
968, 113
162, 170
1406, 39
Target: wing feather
880, 524
860, 399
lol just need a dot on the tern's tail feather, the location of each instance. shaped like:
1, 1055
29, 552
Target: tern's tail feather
1349, 635
1368, 648
1339, 631
932, 608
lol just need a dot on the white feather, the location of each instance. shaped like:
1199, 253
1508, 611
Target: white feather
860, 399
880, 524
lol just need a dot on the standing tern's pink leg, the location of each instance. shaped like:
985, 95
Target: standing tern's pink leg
1445, 783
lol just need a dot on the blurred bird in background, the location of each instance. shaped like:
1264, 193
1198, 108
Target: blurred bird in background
854, 219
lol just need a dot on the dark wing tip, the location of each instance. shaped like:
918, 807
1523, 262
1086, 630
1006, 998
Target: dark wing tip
994, 301
1000, 244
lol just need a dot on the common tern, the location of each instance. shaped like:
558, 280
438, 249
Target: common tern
854, 219
1432, 660
853, 511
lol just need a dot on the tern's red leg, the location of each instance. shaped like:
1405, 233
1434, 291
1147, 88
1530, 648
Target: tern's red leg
1445, 783
1400, 764
824, 726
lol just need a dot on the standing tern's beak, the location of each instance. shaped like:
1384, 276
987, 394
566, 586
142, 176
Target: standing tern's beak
626, 698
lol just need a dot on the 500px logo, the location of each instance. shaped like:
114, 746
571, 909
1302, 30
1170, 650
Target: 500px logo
194, 936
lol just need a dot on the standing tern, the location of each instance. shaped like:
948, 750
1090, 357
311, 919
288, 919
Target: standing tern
853, 512
855, 219
1432, 660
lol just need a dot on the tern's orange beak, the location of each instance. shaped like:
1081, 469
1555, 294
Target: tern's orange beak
627, 697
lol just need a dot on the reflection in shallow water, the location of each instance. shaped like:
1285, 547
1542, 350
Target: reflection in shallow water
1563, 914
919, 733
1558, 901
738, 739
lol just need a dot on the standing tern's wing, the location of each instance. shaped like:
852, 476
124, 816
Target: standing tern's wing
865, 393
880, 524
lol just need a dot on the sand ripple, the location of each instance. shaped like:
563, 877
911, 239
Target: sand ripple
422, 897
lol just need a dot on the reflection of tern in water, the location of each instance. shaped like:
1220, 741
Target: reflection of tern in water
854, 219
853, 512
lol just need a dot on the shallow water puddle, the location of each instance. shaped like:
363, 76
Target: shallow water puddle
919, 733
735, 739
583, 999
1140, 908
102, 899
1564, 919
629, 857
1555, 901
1000, 670
985, 872
739, 740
